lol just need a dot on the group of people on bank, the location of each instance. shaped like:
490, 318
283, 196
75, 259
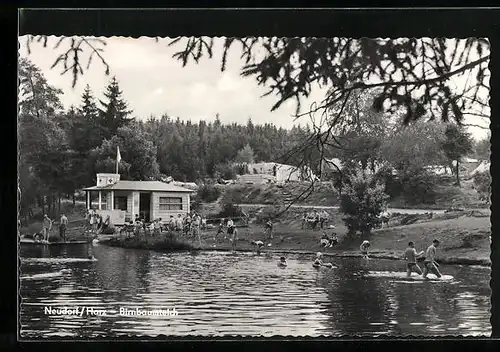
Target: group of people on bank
47, 223
314, 219
189, 224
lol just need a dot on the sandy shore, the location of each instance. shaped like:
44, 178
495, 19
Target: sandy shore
464, 240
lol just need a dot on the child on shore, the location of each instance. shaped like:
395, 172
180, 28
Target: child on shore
156, 227
220, 230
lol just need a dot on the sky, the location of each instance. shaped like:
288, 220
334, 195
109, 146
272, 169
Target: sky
154, 83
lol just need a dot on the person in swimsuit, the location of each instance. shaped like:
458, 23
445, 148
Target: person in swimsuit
230, 227
411, 256
63, 227
282, 263
430, 260
364, 248
319, 261
46, 227
231, 231
259, 245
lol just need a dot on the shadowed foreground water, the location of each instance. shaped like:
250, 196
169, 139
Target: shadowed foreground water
216, 293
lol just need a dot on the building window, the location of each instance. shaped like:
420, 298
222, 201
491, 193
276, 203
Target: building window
121, 203
169, 203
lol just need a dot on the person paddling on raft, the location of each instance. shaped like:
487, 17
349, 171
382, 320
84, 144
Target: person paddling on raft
430, 260
364, 248
411, 256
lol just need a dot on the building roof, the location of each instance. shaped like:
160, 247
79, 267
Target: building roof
140, 186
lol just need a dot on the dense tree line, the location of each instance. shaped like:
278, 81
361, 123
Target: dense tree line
61, 151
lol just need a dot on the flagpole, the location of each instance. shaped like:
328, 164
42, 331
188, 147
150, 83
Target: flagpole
118, 158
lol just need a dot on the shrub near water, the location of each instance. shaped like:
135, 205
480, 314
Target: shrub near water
362, 200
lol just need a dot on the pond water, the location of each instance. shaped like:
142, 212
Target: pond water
220, 293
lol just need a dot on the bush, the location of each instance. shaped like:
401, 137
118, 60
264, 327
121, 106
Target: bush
419, 187
482, 182
225, 171
362, 200
209, 193
233, 194
230, 210
263, 216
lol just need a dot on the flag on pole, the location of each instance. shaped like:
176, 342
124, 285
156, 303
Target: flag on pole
118, 156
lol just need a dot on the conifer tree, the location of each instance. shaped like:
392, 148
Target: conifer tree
114, 113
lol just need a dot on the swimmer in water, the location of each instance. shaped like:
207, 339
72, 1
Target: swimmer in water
91, 257
319, 261
282, 263
411, 256
364, 248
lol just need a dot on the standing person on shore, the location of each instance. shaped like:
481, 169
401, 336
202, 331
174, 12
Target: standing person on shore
46, 227
92, 220
364, 248
196, 226
269, 229
303, 224
63, 225
430, 260
411, 256
231, 232
220, 230
178, 223
156, 227
315, 219
230, 227
203, 223
323, 218
234, 238
171, 224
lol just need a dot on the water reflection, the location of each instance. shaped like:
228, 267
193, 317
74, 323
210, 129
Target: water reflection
224, 294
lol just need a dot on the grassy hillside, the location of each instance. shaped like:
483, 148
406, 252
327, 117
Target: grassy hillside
324, 194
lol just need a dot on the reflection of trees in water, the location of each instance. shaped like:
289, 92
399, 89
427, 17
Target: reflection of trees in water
432, 306
355, 302
121, 270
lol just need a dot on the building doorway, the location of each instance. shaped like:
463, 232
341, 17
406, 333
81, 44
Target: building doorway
145, 206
